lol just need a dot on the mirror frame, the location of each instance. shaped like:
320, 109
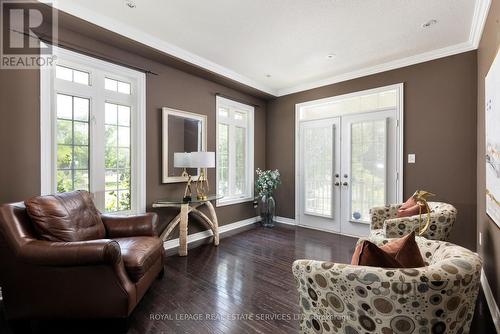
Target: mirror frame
166, 111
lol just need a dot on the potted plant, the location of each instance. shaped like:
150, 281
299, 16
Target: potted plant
267, 182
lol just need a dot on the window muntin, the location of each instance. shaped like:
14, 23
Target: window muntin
117, 157
72, 127
72, 75
234, 151
223, 159
117, 86
240, 161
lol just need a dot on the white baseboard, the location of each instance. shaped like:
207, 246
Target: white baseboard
292, 221
495, 313
285, 220
173, 243
329, 231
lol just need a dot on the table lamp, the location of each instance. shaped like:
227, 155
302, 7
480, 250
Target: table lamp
183, 160
202, 160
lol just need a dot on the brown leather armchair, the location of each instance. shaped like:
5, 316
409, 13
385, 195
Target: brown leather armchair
60, 258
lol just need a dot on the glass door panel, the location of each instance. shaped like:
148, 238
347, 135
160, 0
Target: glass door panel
319, 170
369, 175
368, 167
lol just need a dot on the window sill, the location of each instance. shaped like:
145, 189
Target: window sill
231, 201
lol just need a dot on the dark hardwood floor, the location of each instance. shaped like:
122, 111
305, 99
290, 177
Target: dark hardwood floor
243, 286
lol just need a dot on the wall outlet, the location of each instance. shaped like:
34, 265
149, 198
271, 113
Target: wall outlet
411, 158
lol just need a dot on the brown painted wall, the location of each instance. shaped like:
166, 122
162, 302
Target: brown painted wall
20, 123
440, 118
490, 248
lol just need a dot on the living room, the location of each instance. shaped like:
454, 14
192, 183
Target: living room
250, 167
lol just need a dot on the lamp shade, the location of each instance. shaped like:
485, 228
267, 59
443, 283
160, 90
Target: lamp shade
203, 159
182, 160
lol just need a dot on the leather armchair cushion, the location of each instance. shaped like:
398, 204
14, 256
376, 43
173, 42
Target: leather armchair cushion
130, 226
139, 254
66, 217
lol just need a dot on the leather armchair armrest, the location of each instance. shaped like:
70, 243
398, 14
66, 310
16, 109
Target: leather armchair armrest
80, 253
130, 226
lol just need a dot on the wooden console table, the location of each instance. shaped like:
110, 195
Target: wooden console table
183, 218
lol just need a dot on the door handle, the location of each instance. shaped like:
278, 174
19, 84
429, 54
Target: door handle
337, 184
345, 184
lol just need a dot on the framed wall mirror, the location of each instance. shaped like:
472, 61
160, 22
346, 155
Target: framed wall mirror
182, 132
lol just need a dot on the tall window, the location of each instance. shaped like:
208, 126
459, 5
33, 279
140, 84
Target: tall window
235, 135
92, 119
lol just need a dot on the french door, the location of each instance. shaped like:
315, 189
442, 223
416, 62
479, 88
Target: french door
348, 164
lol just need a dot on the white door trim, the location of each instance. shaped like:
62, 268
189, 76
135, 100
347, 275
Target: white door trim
400, 141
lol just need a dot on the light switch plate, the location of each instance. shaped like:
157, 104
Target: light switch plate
411, 158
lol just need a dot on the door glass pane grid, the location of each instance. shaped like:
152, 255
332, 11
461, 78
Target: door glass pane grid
223, 160
240, 164
368, 167
318, 170
117, 157
72, 131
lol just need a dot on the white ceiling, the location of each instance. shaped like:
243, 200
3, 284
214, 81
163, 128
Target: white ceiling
247, 40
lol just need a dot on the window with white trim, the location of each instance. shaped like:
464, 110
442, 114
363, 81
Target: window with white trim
93, 128
235, 154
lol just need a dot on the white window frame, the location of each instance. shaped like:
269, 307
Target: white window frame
231, 105
97, 69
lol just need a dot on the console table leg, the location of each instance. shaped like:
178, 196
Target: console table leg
183, 230
215, 222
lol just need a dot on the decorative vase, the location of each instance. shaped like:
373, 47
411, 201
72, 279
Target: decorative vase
267, 209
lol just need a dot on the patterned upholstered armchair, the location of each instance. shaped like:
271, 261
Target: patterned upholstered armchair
438, 298
385, 224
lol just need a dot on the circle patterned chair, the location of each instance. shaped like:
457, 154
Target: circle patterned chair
438, 298
386, 224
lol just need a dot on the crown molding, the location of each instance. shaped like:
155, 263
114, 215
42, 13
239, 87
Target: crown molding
392, 65
156, 43
481, 9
